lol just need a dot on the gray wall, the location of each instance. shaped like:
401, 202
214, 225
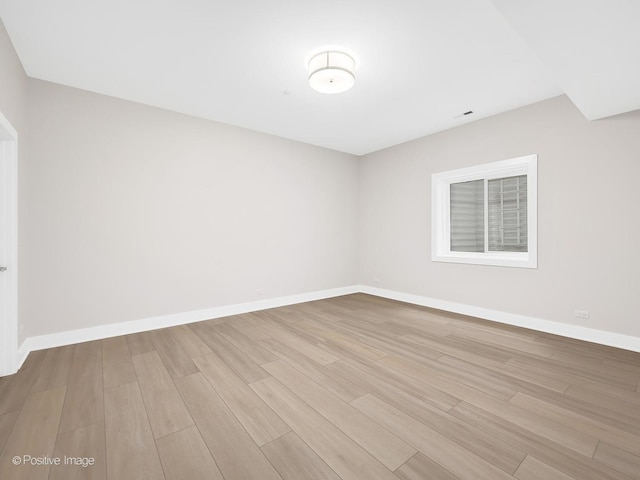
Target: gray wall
139, 212
129, 212
13, 105
588, 217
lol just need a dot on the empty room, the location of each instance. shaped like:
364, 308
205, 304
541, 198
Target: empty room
291, 240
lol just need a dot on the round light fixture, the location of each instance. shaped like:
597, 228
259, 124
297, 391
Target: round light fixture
332, 72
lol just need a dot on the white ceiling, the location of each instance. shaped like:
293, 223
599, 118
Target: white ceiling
420, 63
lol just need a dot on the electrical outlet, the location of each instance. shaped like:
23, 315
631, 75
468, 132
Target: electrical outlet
581, 313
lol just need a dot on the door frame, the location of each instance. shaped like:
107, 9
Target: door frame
9, 190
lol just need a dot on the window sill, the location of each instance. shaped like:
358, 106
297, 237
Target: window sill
501, 259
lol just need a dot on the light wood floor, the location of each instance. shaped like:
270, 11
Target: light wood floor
353, 388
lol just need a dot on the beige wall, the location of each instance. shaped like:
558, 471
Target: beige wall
588, 217
138, 212
13, 105
129, 212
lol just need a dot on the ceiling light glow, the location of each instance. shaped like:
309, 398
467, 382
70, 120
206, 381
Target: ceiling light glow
332, 72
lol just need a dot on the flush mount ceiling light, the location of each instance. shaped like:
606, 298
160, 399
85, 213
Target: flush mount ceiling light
332, 72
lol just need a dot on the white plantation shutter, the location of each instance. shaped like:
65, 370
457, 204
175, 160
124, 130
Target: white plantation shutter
467, 216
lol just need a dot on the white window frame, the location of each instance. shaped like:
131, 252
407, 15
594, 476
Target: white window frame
440, 213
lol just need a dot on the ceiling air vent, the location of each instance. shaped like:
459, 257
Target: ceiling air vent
468, 112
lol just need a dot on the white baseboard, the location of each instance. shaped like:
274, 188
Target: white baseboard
59, 339
626, 342
124, 328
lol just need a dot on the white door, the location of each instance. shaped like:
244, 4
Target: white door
8, 248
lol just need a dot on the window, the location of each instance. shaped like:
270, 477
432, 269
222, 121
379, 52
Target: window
486, 214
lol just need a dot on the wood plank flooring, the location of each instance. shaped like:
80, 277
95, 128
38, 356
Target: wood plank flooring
349, 388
